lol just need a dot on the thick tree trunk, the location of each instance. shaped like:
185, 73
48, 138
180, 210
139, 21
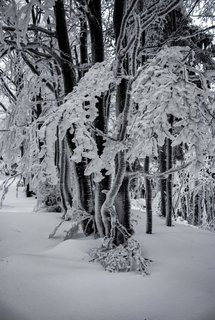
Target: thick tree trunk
122, 198
123, 208
109, 216
95, 23
97, 50
67, 68
69, 78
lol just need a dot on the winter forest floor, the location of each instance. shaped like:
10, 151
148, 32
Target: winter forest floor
47, 279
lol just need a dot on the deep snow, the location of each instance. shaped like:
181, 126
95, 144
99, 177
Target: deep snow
47, 279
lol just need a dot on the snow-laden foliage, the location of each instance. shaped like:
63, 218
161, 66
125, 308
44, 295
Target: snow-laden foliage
161, 89
19, 16
164, 89
77, 115
122, 258
194, 196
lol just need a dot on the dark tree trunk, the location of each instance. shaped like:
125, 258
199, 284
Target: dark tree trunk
162, 158
83, 42
83, 46
197, 207
94, 17
148, 195
87, 193
118, 16
69, 78
173, 20
95, 23
122, 200
123, 207
67, 68
169, 208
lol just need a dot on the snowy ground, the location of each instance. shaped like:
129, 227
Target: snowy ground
47, 279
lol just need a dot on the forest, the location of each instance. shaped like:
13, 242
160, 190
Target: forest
107, 118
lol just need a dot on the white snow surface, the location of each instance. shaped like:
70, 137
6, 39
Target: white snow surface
51, 279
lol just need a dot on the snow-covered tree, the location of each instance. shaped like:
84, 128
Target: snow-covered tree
81, 115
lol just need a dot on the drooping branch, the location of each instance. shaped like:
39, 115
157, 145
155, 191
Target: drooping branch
32, 27
37, 72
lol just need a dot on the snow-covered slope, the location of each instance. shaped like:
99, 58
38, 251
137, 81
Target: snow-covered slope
46, 279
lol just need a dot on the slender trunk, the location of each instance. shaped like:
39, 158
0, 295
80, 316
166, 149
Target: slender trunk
196, 206
162, 158
169, 208
184, 207
62, 177
83, 45
148, 194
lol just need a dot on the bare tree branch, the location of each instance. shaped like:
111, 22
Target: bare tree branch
3, 107
11, 95
32, 28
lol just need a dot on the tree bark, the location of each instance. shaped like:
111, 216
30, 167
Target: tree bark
162, 158
169, 208
67, 68
69, 79
94, 17
122, 199
148, 194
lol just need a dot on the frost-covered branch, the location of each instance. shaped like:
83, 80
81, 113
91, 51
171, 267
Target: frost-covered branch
7, 89
37, 72
32, 27
161, 175
168, 8
123, 24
